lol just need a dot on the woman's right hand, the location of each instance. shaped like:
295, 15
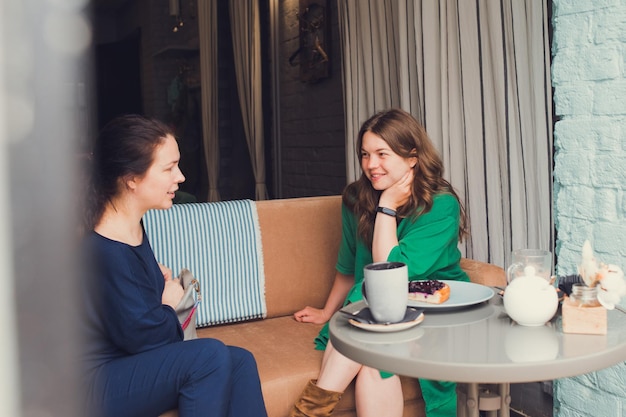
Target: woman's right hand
341, 286
172, 292
311, 315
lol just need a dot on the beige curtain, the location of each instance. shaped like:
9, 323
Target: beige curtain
476, 73
207, 27
378, 63
245, 24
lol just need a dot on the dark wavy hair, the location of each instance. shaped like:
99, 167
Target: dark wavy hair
407, 138
123, 149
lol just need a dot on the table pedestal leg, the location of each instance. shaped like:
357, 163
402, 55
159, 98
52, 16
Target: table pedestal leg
473, 398
467, 400
505, 394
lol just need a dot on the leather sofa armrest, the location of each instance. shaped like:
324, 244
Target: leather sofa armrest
484, 273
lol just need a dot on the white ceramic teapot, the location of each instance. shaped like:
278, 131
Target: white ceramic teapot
530, 300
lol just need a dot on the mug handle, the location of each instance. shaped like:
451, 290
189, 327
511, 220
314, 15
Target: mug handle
363, 290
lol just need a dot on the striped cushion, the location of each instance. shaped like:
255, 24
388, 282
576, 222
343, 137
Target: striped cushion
220, 244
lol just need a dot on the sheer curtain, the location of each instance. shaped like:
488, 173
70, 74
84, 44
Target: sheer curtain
246, 33
207, 27
378, 63
476, 74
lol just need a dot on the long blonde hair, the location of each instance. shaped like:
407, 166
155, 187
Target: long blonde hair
407, 138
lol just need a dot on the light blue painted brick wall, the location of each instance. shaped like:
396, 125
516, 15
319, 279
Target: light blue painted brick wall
589, 79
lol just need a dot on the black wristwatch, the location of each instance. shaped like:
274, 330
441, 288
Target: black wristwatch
387, 211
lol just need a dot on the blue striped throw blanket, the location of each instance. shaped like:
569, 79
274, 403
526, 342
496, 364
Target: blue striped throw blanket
220, 244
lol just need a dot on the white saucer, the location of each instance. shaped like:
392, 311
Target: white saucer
385, 328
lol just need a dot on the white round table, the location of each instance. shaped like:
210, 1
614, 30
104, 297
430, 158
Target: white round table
480, 344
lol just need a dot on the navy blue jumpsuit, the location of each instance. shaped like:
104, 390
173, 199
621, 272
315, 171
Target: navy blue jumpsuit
134, 359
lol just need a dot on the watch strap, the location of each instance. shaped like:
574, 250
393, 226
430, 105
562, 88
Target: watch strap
387, 211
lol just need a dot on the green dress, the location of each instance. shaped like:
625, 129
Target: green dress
428, 245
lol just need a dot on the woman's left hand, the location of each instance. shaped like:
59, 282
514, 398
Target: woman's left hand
385, 237
398, 194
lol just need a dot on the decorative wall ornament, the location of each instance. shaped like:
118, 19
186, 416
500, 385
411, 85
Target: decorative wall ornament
313, 54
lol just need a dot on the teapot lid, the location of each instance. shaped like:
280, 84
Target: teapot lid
530, 279
530, 271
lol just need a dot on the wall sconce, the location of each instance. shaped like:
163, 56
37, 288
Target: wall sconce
175, 11
174, 7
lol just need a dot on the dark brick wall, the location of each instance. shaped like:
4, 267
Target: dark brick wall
311, 126
311, 116
163, 52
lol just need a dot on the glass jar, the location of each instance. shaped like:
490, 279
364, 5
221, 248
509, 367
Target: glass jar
584, 296
582, 313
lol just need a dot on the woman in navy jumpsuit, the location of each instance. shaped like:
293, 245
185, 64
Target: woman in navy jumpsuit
134, 359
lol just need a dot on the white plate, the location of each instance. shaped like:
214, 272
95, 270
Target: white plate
462, 294
385, 328
458, 317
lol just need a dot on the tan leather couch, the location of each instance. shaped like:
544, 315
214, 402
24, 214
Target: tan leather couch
300, 240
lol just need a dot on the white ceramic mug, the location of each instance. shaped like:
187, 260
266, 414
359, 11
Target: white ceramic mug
386, 290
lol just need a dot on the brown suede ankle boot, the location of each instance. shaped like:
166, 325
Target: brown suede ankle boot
315, 402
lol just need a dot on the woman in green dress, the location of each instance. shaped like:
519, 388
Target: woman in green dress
401, 209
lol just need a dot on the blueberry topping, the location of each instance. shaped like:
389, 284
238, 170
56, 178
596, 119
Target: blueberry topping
426, 287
